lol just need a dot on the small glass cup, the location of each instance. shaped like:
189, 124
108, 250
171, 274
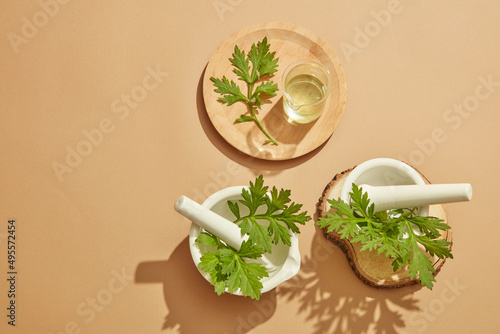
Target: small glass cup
306, 88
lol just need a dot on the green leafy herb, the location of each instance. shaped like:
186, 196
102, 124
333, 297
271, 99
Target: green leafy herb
275, 221
390, 232
231, 269
228, 268
263, 64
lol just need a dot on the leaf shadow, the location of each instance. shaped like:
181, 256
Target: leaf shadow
332, 297
193, 306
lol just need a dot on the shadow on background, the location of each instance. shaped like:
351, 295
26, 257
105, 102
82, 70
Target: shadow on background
193, 306
272, 167
334, 300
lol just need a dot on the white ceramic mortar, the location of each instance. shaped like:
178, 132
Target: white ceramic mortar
282, 263
383, 172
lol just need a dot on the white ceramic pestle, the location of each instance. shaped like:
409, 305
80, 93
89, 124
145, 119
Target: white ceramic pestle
409, 196
223, 228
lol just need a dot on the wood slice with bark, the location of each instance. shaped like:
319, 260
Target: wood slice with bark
373, 269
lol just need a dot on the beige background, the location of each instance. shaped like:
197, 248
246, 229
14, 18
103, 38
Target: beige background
101, 249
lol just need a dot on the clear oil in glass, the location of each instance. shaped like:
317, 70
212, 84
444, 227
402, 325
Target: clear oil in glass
305, 91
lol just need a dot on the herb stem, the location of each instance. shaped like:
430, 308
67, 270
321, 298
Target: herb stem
254, 115
261, 127
258, 216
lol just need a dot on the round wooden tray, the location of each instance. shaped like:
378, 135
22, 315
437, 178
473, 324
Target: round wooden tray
374, 270
290, 43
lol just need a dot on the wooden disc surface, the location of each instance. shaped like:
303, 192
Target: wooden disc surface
291, 43
372, 269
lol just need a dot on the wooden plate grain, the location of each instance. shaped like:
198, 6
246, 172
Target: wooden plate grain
373, 269
290, 43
